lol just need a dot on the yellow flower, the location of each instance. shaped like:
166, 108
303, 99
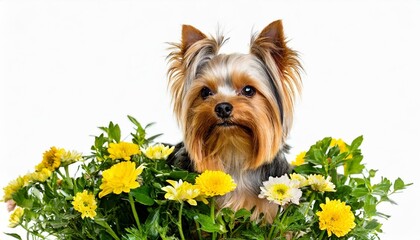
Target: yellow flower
16, 217
40, 176
299, 159
336, 217
85, 203
320, 184
120, 178
123, 150
181, 191
281, 190
69, 157
14, 186
300, 179
340, 144
51, 159
158, 152
214, 183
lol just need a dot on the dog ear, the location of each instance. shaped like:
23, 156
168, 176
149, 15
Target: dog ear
274, 32
271, 42
283, 65
185, 59
190, 35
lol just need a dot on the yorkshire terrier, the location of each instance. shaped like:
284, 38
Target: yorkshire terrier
235, 110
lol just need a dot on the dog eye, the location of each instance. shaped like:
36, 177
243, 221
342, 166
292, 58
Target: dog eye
248, 91
205, 92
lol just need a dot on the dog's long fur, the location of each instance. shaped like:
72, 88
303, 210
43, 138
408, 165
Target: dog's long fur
235, 110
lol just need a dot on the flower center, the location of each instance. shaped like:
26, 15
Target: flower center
280, 190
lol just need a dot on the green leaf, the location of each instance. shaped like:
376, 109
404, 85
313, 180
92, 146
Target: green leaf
15, 235
319, 156
142, 195
152, 138
324, 144
356, 143
134, 121
354, 166
207, 224
178, 174
134, 234
370, 205
306, 169
359, 192
255, 233
100, 141
152, 223
372, 173
343, 191
114, 132
382, 188
383, 215
22, 199
373, 224
334, 151
149, 125
400, 185
242, 213
80, 184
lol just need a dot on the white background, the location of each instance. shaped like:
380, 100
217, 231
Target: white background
67, 67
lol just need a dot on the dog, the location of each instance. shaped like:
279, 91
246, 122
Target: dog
235, 110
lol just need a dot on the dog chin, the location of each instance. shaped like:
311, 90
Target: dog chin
231, 128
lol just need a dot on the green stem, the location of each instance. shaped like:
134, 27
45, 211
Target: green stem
310, 203
322, 235
273, 226
198, 230
285, 212
30, 232
111, 232
65, 178
133, 209
181, 233
66, 168
213, 203
68, 178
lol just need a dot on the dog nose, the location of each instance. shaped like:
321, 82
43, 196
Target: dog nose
223, 110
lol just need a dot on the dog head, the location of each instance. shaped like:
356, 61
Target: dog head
229, 104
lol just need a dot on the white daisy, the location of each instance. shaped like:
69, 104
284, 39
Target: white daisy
281, 190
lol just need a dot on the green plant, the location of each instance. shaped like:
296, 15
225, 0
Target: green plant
152, 200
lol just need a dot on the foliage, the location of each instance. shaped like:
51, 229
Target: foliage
154, 209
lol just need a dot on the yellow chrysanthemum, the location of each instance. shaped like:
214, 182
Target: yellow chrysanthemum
123, 150
40, 176
120, 178
299, 159
51, 159
299, 179
69, 157
320, 184
215, 183
341, 145
158, 152
85, 203
336, 217
281, 190
14, 186
16, 217
181, 191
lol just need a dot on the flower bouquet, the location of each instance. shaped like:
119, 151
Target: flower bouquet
126, 190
